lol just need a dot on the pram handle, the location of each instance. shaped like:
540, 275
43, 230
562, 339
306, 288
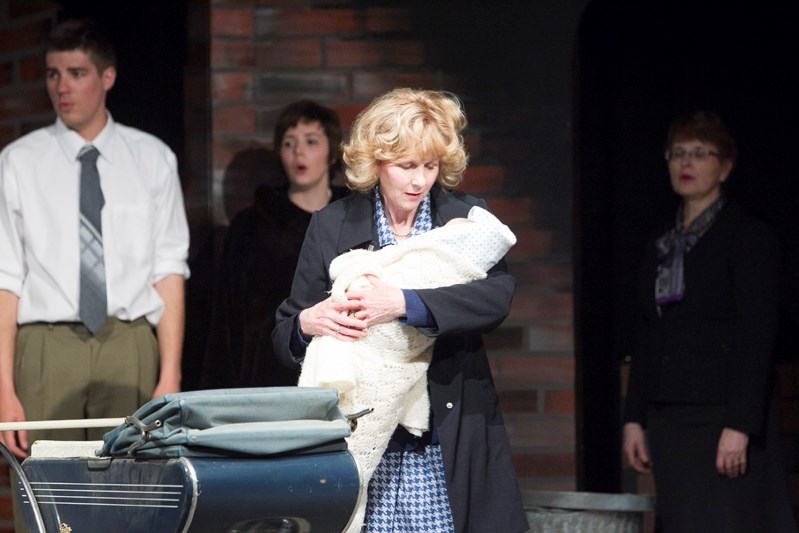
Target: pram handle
61, 424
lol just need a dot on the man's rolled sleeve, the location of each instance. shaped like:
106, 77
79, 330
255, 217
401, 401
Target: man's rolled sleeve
171, 230
12, 269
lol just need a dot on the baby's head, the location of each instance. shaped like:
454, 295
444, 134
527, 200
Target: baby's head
459, 220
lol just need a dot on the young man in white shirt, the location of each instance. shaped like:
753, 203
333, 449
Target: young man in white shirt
52, 366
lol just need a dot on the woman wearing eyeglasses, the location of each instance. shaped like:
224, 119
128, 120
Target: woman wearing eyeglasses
698, 413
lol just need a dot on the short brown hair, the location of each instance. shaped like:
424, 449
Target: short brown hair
309, 111
706, 127
85, 35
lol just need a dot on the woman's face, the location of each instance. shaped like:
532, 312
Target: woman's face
305, 154
696, 171
403, 184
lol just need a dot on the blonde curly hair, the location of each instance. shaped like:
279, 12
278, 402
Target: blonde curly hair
406, 123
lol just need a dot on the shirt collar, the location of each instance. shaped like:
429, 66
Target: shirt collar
72, 143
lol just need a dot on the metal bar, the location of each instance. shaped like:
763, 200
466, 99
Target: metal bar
61, 424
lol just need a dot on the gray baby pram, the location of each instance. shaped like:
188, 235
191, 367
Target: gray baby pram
234, 460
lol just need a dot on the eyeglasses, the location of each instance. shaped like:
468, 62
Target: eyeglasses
697, 154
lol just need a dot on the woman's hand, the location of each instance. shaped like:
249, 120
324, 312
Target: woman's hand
635, 449
378, 305
336, 319
731, 454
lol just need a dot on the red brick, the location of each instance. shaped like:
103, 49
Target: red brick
234, 119
559, 402
534, 369
505, 338
293, 53
541, 432
280, 21
512, 210
518, 401
545, 464
296, 3
31, 68
540, 304
16, 37
482, 179
231, 86
288, 86
543, 274
373, 52
231, 22
368, 85
225, 150
557, 483
551, 337
231, 54
23, 104
530, 242
388, 20
347, 113
6, 509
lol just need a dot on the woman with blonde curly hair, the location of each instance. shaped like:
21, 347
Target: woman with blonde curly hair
404, 157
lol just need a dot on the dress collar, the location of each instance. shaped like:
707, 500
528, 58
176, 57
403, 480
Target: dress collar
356, 233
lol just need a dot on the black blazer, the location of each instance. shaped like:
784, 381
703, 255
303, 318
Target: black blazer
715, 347
481, 481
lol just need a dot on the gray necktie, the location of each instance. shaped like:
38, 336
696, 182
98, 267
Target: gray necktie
93, 304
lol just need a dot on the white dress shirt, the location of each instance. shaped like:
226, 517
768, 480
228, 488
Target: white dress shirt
145, 233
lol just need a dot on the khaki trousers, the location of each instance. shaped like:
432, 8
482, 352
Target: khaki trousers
63, 372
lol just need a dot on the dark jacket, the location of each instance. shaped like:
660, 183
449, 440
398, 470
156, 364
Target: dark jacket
254, 276
481, 481
715, 346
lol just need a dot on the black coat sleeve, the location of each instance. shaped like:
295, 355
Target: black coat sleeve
311, 285
755, 273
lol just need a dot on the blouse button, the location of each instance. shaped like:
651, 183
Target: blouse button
449, 405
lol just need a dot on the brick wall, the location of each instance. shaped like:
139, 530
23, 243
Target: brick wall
264, 54
24, 106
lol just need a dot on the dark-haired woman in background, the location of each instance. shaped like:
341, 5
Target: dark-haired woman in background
262, 246
698, 411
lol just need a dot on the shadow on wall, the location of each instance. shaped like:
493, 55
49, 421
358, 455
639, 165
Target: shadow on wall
248, 170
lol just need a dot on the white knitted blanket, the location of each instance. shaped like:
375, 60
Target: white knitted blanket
386, 370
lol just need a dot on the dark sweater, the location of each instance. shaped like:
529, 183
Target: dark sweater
255, 274
715, 346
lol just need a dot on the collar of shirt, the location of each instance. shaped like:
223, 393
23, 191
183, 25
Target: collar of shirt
71, 142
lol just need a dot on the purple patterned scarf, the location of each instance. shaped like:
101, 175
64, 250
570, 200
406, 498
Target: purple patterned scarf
671, 249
